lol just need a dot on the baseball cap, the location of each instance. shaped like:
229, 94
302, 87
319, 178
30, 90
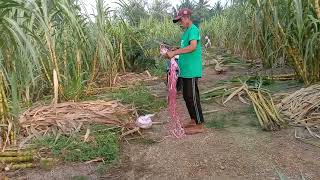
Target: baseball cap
182, 12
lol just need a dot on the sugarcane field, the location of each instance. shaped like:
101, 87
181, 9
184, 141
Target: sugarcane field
159, 89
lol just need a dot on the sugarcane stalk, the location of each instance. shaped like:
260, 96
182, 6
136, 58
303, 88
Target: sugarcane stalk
275, 109
51, 49
297, 60
65, 54
266, 106
55, 88
214, 89
16, 159
12, 136
258, 115
262, 113
94, 67
19, 166
121, 58
78, 58
273, 121
317, 8
257, 108
16, 153
4, 115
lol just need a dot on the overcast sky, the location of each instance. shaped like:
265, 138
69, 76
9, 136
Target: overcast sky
89, 5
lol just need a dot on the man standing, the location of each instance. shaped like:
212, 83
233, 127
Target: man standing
190, 65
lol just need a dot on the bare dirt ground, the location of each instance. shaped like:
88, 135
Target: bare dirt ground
234, 152
237, 151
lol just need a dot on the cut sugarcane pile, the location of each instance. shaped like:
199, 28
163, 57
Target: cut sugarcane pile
12, 160
230, 86
68, 117
263, 104
22, 159
302, 108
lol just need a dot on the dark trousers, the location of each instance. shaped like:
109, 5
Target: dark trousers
192, 98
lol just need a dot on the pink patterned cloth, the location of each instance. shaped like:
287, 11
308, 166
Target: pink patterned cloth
174, 125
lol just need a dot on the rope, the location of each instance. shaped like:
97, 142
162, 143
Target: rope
174, 125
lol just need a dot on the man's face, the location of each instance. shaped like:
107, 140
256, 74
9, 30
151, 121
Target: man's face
184, 22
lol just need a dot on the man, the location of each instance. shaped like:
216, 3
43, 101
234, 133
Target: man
190, 65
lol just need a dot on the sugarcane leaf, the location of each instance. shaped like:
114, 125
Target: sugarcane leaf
233, 94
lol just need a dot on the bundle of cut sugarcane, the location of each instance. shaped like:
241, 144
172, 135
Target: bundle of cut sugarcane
264, 107
11, 160
302, 108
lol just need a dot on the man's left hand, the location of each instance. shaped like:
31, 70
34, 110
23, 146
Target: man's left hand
170, 54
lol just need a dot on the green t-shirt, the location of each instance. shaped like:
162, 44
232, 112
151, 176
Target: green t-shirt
190, 64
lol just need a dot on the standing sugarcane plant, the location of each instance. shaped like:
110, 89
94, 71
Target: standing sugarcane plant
273, 30
7, 132
54, 49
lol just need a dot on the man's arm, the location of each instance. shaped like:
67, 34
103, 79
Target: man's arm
188, 49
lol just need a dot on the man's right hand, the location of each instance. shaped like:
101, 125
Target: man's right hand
170, 54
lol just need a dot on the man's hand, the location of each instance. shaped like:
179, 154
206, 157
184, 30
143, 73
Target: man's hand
170, 54
188, 49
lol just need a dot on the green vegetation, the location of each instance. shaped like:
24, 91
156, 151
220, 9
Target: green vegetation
101, 143
159, 69
141, 98
284, 177
42, 36
245, 116
272, 31
218, 122
283, 86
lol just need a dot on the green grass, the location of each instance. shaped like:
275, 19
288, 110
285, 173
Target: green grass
218, 123
282, 176
278, 86
103, 143
253, 120
243, 117
141, 97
